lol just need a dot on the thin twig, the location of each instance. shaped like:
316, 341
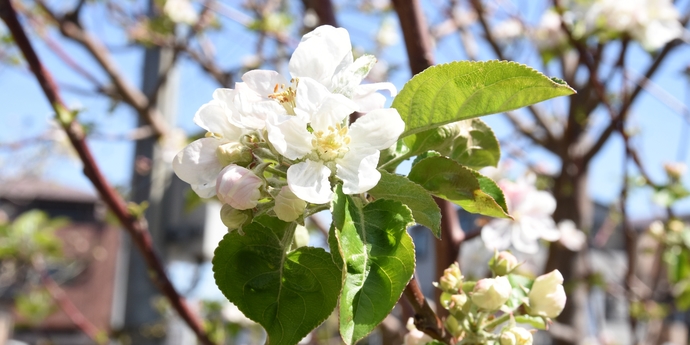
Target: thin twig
136, 227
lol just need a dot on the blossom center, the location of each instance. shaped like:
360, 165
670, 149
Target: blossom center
286, 96
332, 143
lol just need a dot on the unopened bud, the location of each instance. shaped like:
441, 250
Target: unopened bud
457, 302
491, 293
238, 187
516, 336
675, 170
234, 218
547, 296
288, 205
503, 263
234, 153
301, 237
451, 281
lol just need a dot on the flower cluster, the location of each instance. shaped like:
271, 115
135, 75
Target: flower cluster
485, 311
278, 145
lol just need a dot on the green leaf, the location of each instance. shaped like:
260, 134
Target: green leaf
288, 293
378, 260
477, 146
465, 89
399, 188
465, 187
518, 295
534, 321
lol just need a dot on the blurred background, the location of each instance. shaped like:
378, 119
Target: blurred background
613, 157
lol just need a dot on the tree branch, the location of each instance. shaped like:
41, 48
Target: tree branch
137, 228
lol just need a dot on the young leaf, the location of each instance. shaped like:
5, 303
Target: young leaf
465, 89
423, 206
447, 179
288, 293
477, 146
378, 258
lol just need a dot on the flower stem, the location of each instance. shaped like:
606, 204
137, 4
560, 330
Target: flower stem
393, 163
275, 171
497, 321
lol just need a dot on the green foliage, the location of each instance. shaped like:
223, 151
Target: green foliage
449, 180
288, 292
34, 305
31, 233
423, 206
466, 89
377, 257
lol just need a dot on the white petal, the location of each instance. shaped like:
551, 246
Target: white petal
496, 234
214, 117
346, 80
320, 54
333, 111
523, 241
310, 95
205, 190
253, 109
358, 171
536, 203
366, 89
370, 102
264, 82
379, 129
197, 164
309, 181
289, 136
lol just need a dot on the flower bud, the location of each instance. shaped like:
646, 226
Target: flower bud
675, 170
238, 187
234, 153
234, 218
301, 237
503, 263
516, 336
547, 296
457, 302
491, 293
288, 205
451, 281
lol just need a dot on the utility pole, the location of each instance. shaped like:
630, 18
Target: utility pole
142, 322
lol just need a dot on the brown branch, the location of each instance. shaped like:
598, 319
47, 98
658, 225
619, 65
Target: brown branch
425, 319
75, 315
137, 228
70, 28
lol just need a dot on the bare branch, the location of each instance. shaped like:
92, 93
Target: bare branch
137, 228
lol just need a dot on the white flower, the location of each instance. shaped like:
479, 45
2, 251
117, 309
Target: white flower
325, 55
531, 210
351, 153
238, 187
547, 296
200, 162
516, 336
415, 336
509, 29
288, 205
571, 237
548, 34
491, 293
180, 11
388, 33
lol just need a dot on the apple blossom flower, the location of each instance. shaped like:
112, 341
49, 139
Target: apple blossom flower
288, 206
332, 148
238, 187
547, 296
180, 11
516, 336
325, 55
503, 263
531, 210
571, 237
491, 293
200, 162
451, 281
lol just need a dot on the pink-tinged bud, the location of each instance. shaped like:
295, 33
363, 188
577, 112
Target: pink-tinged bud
516, 336
547, 296
451, 281
238, 187
491, 293
503, 263
288, 205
